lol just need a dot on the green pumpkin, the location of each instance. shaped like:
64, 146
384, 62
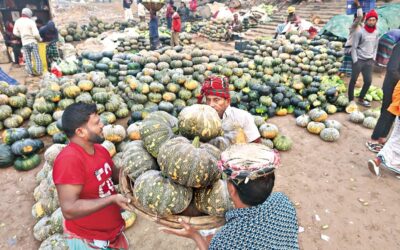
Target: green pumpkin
52, 152
357, 117
60, 138
159, 195
107, 118
52, 129
26, 146
101, 97
14, 121
213, 200
315, 127
84, 97
122, 112
189, 164
370, 122
136, 160
36, 131
64, 103
333, 124
14, 134
112, 106
329, 134
26, 163
42, 119
157, 129
269, 131
24, 112
56, 241
303, 121
5, 112
6, 156
200, 120
18, 101
282, 143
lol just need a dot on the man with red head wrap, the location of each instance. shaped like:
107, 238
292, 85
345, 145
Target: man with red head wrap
215, 91
363, 54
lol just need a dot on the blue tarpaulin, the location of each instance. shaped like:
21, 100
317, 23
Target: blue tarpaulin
6, 78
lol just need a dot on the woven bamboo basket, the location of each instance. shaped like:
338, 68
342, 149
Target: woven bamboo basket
153, 6
200, 222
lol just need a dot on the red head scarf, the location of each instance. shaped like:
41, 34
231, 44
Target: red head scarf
215, 86
369, 15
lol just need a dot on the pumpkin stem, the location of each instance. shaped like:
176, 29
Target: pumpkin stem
196, 142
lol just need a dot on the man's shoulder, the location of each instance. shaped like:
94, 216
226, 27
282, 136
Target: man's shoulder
239, 112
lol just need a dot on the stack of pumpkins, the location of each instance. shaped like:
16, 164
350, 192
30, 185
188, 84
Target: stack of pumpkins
368, 118
19, 150
15, 105
172, 165
215, 30
316, 122
270, 135
57, 94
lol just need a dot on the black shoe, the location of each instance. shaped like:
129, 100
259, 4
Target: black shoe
364, 103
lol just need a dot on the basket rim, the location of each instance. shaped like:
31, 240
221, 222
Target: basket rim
172, 221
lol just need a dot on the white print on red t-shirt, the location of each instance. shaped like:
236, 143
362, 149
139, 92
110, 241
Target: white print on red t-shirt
107, 187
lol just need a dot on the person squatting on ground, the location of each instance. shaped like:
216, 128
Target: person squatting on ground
386, 118
84, 175
49, 35
26, 29
176, 28
389, 156
363, 53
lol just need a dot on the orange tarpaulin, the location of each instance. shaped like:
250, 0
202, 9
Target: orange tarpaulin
394, 107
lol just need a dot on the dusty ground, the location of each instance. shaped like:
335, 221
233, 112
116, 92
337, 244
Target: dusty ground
326, 181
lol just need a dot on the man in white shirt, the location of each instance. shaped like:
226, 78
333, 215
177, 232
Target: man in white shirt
216, 92
26, 29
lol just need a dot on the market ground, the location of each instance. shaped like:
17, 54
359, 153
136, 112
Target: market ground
329, 183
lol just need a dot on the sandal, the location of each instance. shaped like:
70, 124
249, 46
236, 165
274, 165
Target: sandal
373, 168
364, 103
374, 147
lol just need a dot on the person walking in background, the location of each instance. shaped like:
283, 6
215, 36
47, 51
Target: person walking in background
141, 11
13, 42
183, 13
49, 35
363, 53
169, 13
176, 28
389, 156
386, 118
153, 28
126, 4
26, 29
356, 26
386, 45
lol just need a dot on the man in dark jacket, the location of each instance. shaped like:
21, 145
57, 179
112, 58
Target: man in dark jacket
386, 118
183, 13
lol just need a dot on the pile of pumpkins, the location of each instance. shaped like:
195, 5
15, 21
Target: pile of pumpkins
316, 122
73, 32
47, 212
215, 30
57, 94
19, 150
172, 165
367, 119
15, 105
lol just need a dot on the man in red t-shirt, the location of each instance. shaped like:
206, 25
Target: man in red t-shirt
84, 177
176, 28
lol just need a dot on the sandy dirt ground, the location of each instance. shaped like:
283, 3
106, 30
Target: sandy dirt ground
335, 194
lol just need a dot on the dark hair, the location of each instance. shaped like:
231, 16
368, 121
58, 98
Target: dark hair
174, 8
255, 192
76, 115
